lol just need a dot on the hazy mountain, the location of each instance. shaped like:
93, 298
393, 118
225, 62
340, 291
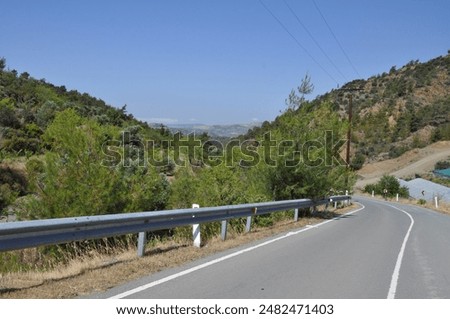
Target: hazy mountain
232, 130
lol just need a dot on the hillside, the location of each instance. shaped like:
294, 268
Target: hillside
416, 162
393, 112
28, 106
54, 152
402, 109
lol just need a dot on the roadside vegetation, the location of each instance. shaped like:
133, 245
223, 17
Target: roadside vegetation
388, 186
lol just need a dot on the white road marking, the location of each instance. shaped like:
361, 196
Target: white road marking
218, 260
396, 273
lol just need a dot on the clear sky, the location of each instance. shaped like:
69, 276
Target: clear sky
215, 61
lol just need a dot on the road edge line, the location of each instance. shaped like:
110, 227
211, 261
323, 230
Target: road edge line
396, 273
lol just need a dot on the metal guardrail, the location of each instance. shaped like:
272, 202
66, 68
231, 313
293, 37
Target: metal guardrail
26, 234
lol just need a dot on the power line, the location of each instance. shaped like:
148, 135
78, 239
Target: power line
335, 38
296, 41
312, 37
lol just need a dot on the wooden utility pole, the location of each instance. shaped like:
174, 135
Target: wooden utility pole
349, 131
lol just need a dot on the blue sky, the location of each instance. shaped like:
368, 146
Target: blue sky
211, 61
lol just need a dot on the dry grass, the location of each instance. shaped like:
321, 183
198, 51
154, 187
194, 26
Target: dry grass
443, 207
96, 272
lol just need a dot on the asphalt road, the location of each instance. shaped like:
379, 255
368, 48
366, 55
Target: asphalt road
383, 250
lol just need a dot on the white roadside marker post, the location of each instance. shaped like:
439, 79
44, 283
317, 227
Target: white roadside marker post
196, 230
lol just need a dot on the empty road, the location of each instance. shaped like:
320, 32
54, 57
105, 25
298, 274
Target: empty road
381, 250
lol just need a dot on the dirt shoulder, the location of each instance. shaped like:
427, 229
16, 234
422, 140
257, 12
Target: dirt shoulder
96, 273
417, 161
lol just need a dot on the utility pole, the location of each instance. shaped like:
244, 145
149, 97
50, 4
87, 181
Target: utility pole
350, 117
349, 131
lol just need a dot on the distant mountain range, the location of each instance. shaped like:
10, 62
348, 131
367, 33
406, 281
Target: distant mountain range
232, 130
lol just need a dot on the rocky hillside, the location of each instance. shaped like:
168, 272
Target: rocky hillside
400, 110
393, 112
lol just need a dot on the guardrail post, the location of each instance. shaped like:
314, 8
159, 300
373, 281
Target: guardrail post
223, 232
196, 230
296, 215
346, 201
248, 224
142, 240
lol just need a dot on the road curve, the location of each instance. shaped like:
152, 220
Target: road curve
382, 250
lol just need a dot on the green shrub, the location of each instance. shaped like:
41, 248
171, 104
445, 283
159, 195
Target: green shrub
358, 161
390, 184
